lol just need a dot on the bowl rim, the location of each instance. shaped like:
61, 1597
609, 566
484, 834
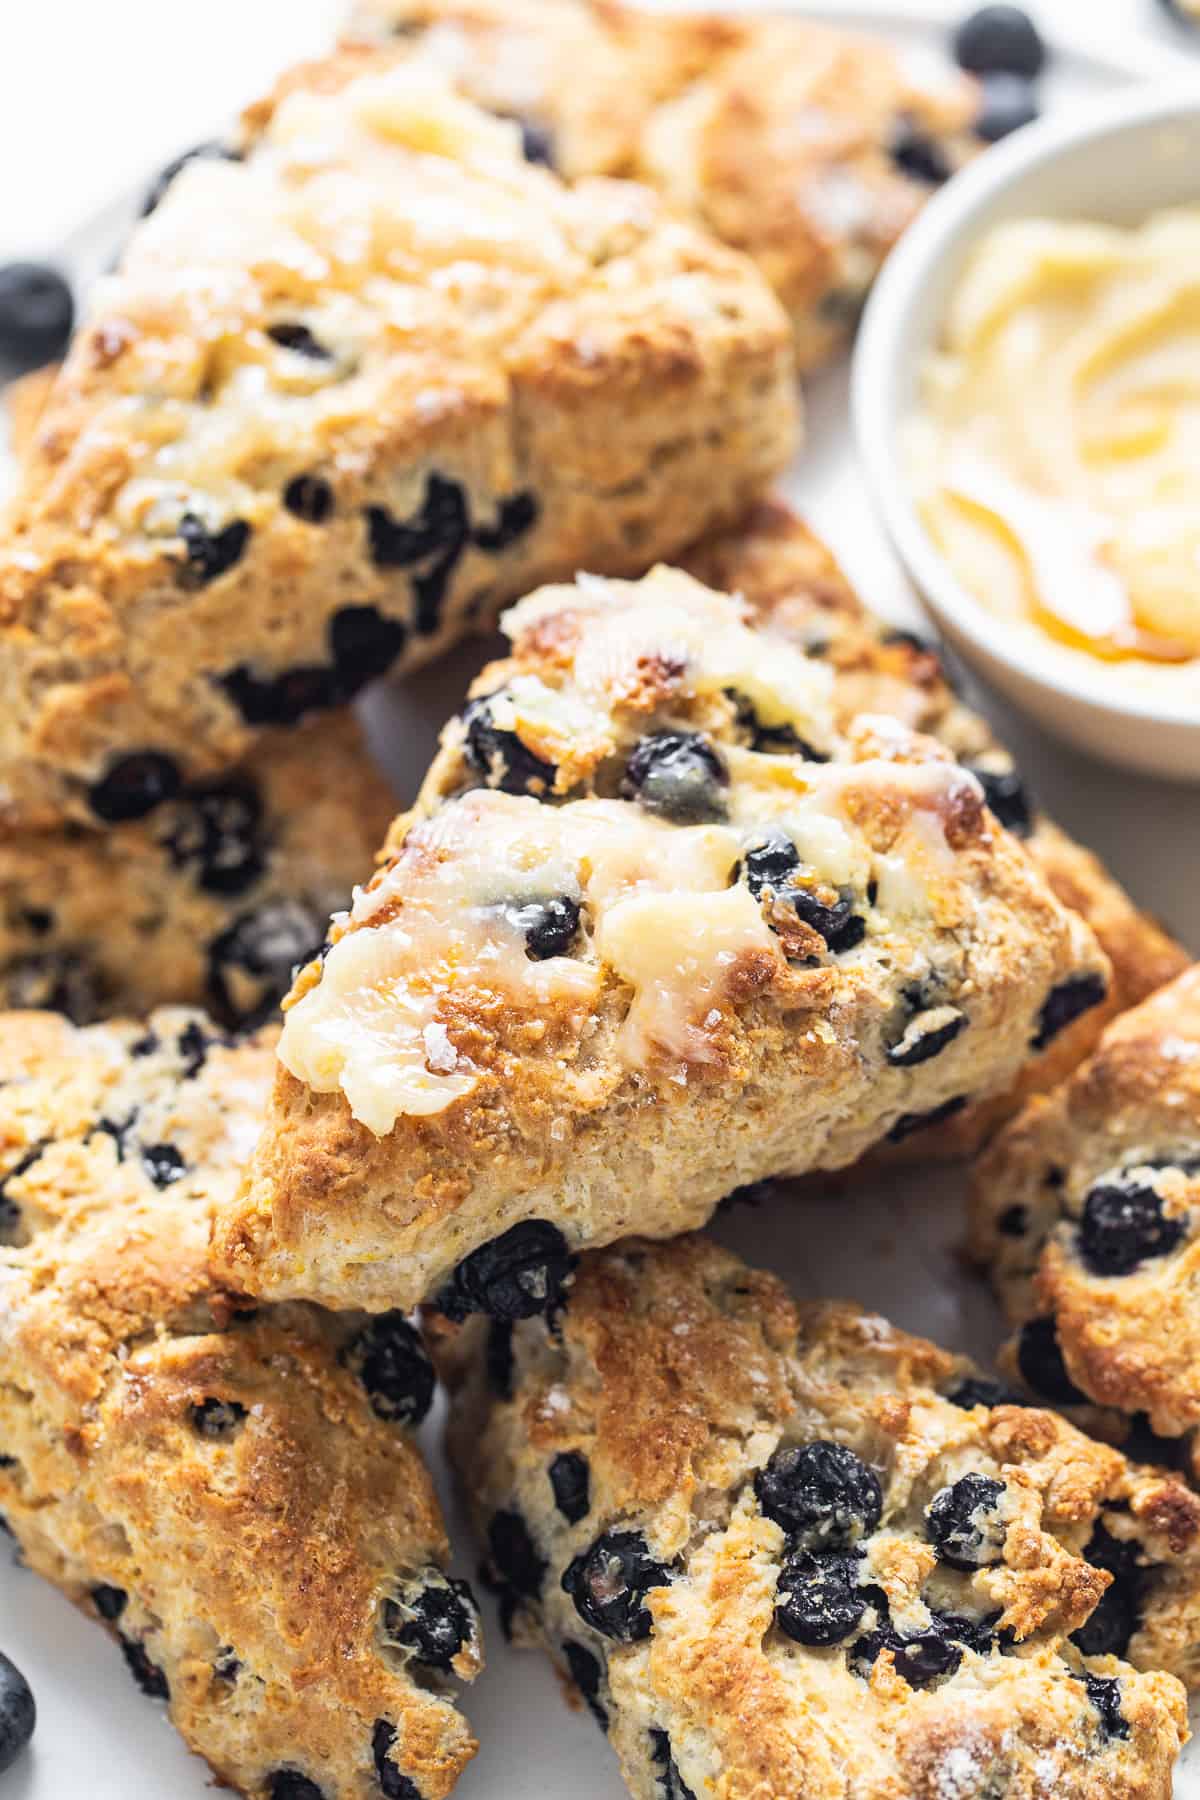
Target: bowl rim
944, 228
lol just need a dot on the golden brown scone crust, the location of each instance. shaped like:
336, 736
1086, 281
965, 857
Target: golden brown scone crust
775, 134
480, 379
212, 900
218, 1489
1085, 1212
786, 572
24, 402
692, 1029
666, 1385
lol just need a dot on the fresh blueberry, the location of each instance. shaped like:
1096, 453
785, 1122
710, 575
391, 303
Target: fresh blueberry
818, 1599
147, 1674
515, 1560
36, 315
216, 832
1104, 1692
500, 756
1066, 1003
392, 1784
609, 1582
1040, 1360
250, 963
587, 1674
54, 981
549, 926
824, 1496
133, 786
210, 152
364, 646
280, 699
217, 1419
679, 775
671, 1783
908, 1123
211, 554
1007, 797
291, 335
918, 154
999, 40
926, 1036
433, 1617
515, 1276
963, 1522
927, 1655
516, 515
18, 1713
163, 1164
289, 1784
309, 497
1009, 102
537, 143
110, 1602
570, 1479
389, 1359
1123, 1224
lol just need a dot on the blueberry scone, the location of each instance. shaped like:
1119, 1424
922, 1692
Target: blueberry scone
214, 898
346, 394
808, 147
236, 1498
786, 1549
1085, 1212
789, 576
657, 926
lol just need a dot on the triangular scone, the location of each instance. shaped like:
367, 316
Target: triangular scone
345, 396
1086, 1211
237, 1499
656, 927
790, 577
808, 146
785, 1549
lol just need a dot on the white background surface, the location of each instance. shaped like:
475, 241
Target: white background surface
94, 96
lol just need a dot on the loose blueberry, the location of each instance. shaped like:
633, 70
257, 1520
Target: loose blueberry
1007, 797
515, 1559
280, 699
133, 786
309, 497
1104, 1692
209, 152
500, 756
163, 1164
1013, 1222
217, 1419
1066, 1003
818, 1599
679, 775
392, 1784
926, 1036
670, 1781
570, 1479
824, 1496
517, 515
110, 1602
1009, 102
978, 1390
216, 835
1040, 1360
587, 1674
18, 1713
908, 1123
537, 143
516, 1276
53, 981
999, 40
550, 926
499, 1357
250, 963
36, 315
289, 1784
389, 1359
291, 335
211, 554
147, 1674
433, 1617
918, 154
963, 1522
364, 646
1123, 1224
609, 1582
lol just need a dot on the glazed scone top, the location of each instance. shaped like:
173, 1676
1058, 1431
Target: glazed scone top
788, 1548
236, 1497
654, 794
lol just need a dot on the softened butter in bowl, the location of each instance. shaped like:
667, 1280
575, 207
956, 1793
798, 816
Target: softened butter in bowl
1055, 451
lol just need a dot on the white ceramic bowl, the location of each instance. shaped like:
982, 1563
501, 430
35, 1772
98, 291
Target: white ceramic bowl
1117, 161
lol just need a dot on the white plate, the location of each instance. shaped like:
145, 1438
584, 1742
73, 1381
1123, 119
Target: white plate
97, 1736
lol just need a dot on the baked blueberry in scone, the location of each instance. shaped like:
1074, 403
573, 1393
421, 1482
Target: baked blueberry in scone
813, 1560
345, 395
789, 576
656, 927
809, 147
236, 1497
212, 899
1086, 1210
